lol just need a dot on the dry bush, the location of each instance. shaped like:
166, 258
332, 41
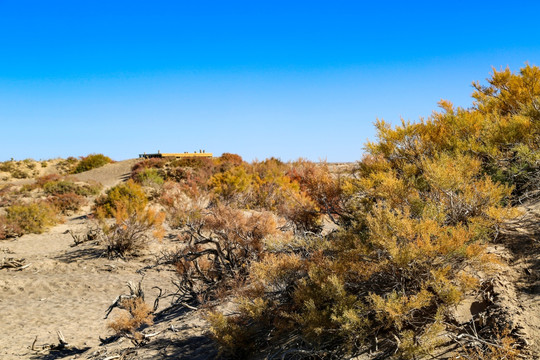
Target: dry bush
55, 184
131, 231
136, 314
9, 229
149, 177
267, 186
7, 195
42, 180
152, 163
67, 203
31, 218
67, 166
183, 203
419, 212
129, 196
219, 245
326, 190
501, 345
227, 161
149, 172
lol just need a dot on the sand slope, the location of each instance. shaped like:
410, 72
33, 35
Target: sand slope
110, 174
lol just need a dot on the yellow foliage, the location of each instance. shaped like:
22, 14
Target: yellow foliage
136, 313
414, 221
397, 308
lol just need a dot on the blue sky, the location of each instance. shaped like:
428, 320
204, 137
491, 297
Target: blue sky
259, 78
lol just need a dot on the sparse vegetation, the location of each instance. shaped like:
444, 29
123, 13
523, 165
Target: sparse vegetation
149, 177
135, 314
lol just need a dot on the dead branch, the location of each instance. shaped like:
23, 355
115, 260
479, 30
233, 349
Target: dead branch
12, 263
135, 292
62, 344
91, 234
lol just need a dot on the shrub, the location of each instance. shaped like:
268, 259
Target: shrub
59, 187
90, 162
67, 166
233, 185
67, 203
31, 218
227, 161
53, 186
414, 222
9, 228
6, 194
134, 225
42, 180
219, 245
193, 172
267, 186
198, 163
136, 313
19, 174
321, 186
7, 166
149, 177
129, 196
152, 163
132, 229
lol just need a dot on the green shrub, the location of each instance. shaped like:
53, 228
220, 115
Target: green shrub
31, 218
149, 177
59, 187
90, 162
127, 195
6, 166
19, 174
89, 189
152, 163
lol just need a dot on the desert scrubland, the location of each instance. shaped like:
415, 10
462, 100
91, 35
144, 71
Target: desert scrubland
425, 248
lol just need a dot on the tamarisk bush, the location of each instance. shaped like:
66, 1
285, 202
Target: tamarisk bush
134, 224
414, 222
219, 243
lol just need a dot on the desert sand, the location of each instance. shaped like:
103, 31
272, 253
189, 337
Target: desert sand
68, 288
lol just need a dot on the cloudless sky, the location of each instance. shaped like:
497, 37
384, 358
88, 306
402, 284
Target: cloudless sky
259, 78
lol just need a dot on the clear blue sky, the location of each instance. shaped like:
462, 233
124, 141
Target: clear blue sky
259, 78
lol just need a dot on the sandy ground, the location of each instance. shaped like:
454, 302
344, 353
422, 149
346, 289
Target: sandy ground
69, 288
518, 285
